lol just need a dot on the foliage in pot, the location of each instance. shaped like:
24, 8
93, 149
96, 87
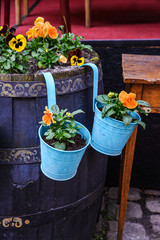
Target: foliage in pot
58, 134
115, 119
46, 48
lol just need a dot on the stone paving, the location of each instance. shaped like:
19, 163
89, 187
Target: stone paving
142, 220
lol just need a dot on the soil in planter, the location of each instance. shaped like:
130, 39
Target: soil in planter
59, 67
79, 143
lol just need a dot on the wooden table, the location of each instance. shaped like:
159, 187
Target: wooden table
141, 73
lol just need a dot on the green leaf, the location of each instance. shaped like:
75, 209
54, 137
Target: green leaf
42, 123
41, 65
101, 99
55, 58
50, 136
72, 123
110, 112
127, 119
2, 59
141, 123
64, 111
77, 112
7, 65
34, 54
67, 135
60, 146
71, 141
106, 108
55, 109
143, 103
20, 67
13, 57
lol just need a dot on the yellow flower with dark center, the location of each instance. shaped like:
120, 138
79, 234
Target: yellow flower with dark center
3, 29
80, 61
76, 60
18, 43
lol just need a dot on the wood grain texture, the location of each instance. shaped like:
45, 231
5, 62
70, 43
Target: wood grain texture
55, 210
87, 13
18, 11
65, 15
127, 162
128, 155
25, 7
141, 69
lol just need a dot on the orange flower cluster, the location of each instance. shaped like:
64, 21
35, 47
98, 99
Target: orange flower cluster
42, 29
128, 100
47, 118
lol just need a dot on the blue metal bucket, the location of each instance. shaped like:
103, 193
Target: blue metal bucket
109, 135
58, 164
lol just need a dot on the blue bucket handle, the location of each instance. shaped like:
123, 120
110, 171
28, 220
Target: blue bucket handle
51, 90
95, 81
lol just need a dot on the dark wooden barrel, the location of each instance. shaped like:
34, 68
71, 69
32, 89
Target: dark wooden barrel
31, 205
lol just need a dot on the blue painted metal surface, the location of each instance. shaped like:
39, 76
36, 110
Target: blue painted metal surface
57, 164
61, 165
109, 135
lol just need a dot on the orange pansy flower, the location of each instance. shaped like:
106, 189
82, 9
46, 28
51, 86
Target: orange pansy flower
47, 118
128, 100
52, 32
62, 59
29, 33
45, 31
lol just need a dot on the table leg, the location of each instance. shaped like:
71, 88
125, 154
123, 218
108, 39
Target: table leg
65, 15
88, 13
6, 11
128, 155
18, 11
120, 178
25, 3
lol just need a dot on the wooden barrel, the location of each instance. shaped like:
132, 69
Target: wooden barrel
31, 205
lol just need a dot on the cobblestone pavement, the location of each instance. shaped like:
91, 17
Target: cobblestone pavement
142, 220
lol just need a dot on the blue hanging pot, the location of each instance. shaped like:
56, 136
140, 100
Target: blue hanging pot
109, 135
58, 164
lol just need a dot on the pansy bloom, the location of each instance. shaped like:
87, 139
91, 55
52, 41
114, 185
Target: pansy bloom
128, 100
62, 59
17, 43
42, 29
76, 61
47, 118
3, 29
76, 52
75, 57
